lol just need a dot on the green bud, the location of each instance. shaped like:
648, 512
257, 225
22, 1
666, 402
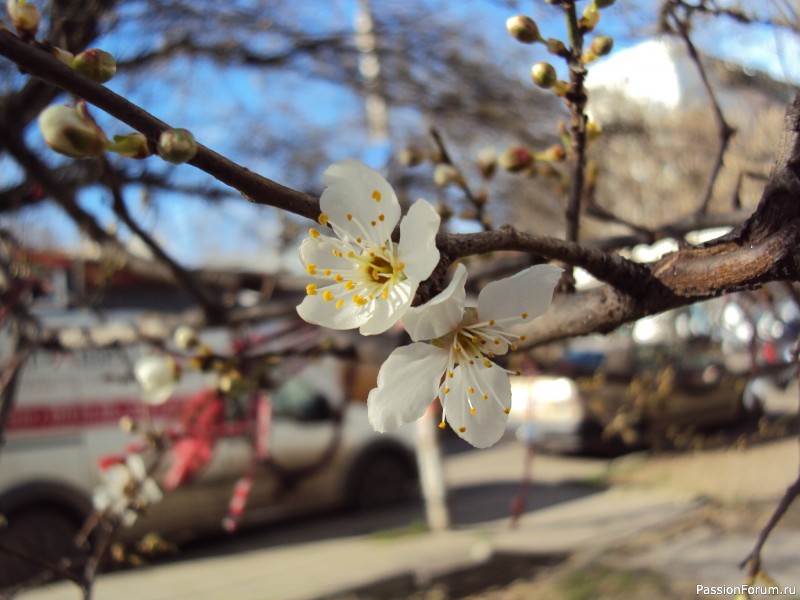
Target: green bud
133, 145
72, 132
95, 64
556, 47
177, 146
24, 16
523, 29
544, 75
601, 45
62, 55
590, 18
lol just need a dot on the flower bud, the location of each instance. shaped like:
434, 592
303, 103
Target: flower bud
158, 376
560, 88
544, 75
62, 55
515, 159
555, 153
445, 174
95, 64
487, 161
177, 146
185, 337
72, 132
410, 156
133, 145
24, 16
593, 130
601, 45
523, 29
590, 18
556, 47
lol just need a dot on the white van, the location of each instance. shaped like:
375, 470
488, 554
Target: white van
66, 418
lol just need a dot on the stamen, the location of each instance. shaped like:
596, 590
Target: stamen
338, 278
311, 289
462, 429
314, 233
487, 363
450, 374
327, 272
442, 425
349, 285
327, 295
524, 315
381, 218
472, 410
323, 219
339, 303
373, 223
311, 269
506, 410
376, 195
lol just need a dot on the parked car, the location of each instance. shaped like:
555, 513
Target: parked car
323, 455
631, 396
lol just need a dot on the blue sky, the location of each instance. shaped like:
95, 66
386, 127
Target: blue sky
210, 102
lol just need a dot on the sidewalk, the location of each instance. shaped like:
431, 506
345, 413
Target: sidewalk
568, 517
305, 571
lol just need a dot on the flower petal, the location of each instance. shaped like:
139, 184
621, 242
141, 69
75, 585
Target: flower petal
385, 313
407, 384
360, 202
441, 314
486, 426
320, 252
417, 249
529, 292
317, 311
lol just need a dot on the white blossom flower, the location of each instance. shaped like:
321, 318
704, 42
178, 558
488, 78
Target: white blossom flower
366, 280
456, 366
126, 490
158, 377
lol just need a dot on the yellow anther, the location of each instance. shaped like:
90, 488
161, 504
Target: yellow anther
373, 223
487, 363
506, 410
471, 390
442, 425
522, 338
381, 217
484, 396
456, 348
311, 269
399, 266
349, 217
496, 341
376, 195
351, 254
311, 289
472, 411
359, 240
450, 374
462, 429
385, 293
327, 272
327, 295
323, 219
517, 372
491, 322
313, 233
472, 362
339, 303
446, 390
338, 278
349, 285
524, 315
513, 345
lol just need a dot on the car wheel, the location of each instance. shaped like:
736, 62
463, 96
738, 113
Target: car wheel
381, 480
40, 532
